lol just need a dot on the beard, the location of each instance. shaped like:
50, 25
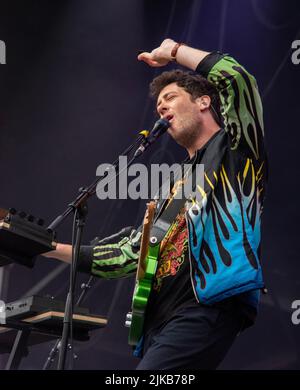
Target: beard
186, 132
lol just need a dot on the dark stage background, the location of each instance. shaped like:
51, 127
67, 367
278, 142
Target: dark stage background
73, 96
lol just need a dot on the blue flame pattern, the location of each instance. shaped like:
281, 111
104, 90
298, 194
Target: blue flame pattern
225, 226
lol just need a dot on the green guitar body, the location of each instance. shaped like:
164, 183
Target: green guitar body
141, 296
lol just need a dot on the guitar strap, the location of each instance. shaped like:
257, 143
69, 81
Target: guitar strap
210, 155
168, 210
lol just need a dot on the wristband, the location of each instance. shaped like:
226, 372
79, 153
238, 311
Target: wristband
175, 49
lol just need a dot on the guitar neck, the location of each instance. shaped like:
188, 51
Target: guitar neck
148, 220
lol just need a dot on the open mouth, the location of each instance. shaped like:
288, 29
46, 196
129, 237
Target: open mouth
169, 118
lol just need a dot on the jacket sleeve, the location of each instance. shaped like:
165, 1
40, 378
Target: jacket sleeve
240, 102
113, 257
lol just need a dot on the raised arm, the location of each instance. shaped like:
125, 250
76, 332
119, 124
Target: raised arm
185, 55
241, 103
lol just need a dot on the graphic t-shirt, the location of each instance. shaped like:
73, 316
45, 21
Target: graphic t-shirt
172, 288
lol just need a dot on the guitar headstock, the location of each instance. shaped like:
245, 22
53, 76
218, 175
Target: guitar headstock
150, 212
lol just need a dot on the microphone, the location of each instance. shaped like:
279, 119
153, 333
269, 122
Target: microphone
159, 128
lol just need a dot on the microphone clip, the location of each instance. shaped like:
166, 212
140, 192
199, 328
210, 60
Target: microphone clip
159, 128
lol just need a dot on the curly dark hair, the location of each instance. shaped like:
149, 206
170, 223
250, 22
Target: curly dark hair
192, 83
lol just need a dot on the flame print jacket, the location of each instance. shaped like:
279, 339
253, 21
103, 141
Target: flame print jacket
225, 228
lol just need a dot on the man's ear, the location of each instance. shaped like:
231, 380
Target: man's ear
203, 102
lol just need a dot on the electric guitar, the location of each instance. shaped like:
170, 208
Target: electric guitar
146, 269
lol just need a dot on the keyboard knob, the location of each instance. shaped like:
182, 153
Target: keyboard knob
40, 222
30, 218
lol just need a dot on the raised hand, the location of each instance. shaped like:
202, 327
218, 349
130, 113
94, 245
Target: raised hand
160, 56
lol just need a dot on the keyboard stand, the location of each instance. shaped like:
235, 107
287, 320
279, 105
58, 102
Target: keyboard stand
48, 325
19, 350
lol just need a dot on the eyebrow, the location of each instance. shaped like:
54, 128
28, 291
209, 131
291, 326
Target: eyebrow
164, 97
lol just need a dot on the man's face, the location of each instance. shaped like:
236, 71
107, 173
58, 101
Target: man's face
184, 115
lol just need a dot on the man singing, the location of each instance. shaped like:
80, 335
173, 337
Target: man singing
208, 279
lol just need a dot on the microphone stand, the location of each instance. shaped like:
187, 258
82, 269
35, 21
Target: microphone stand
80, 210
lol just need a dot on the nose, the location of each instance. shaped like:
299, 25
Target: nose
163, 109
